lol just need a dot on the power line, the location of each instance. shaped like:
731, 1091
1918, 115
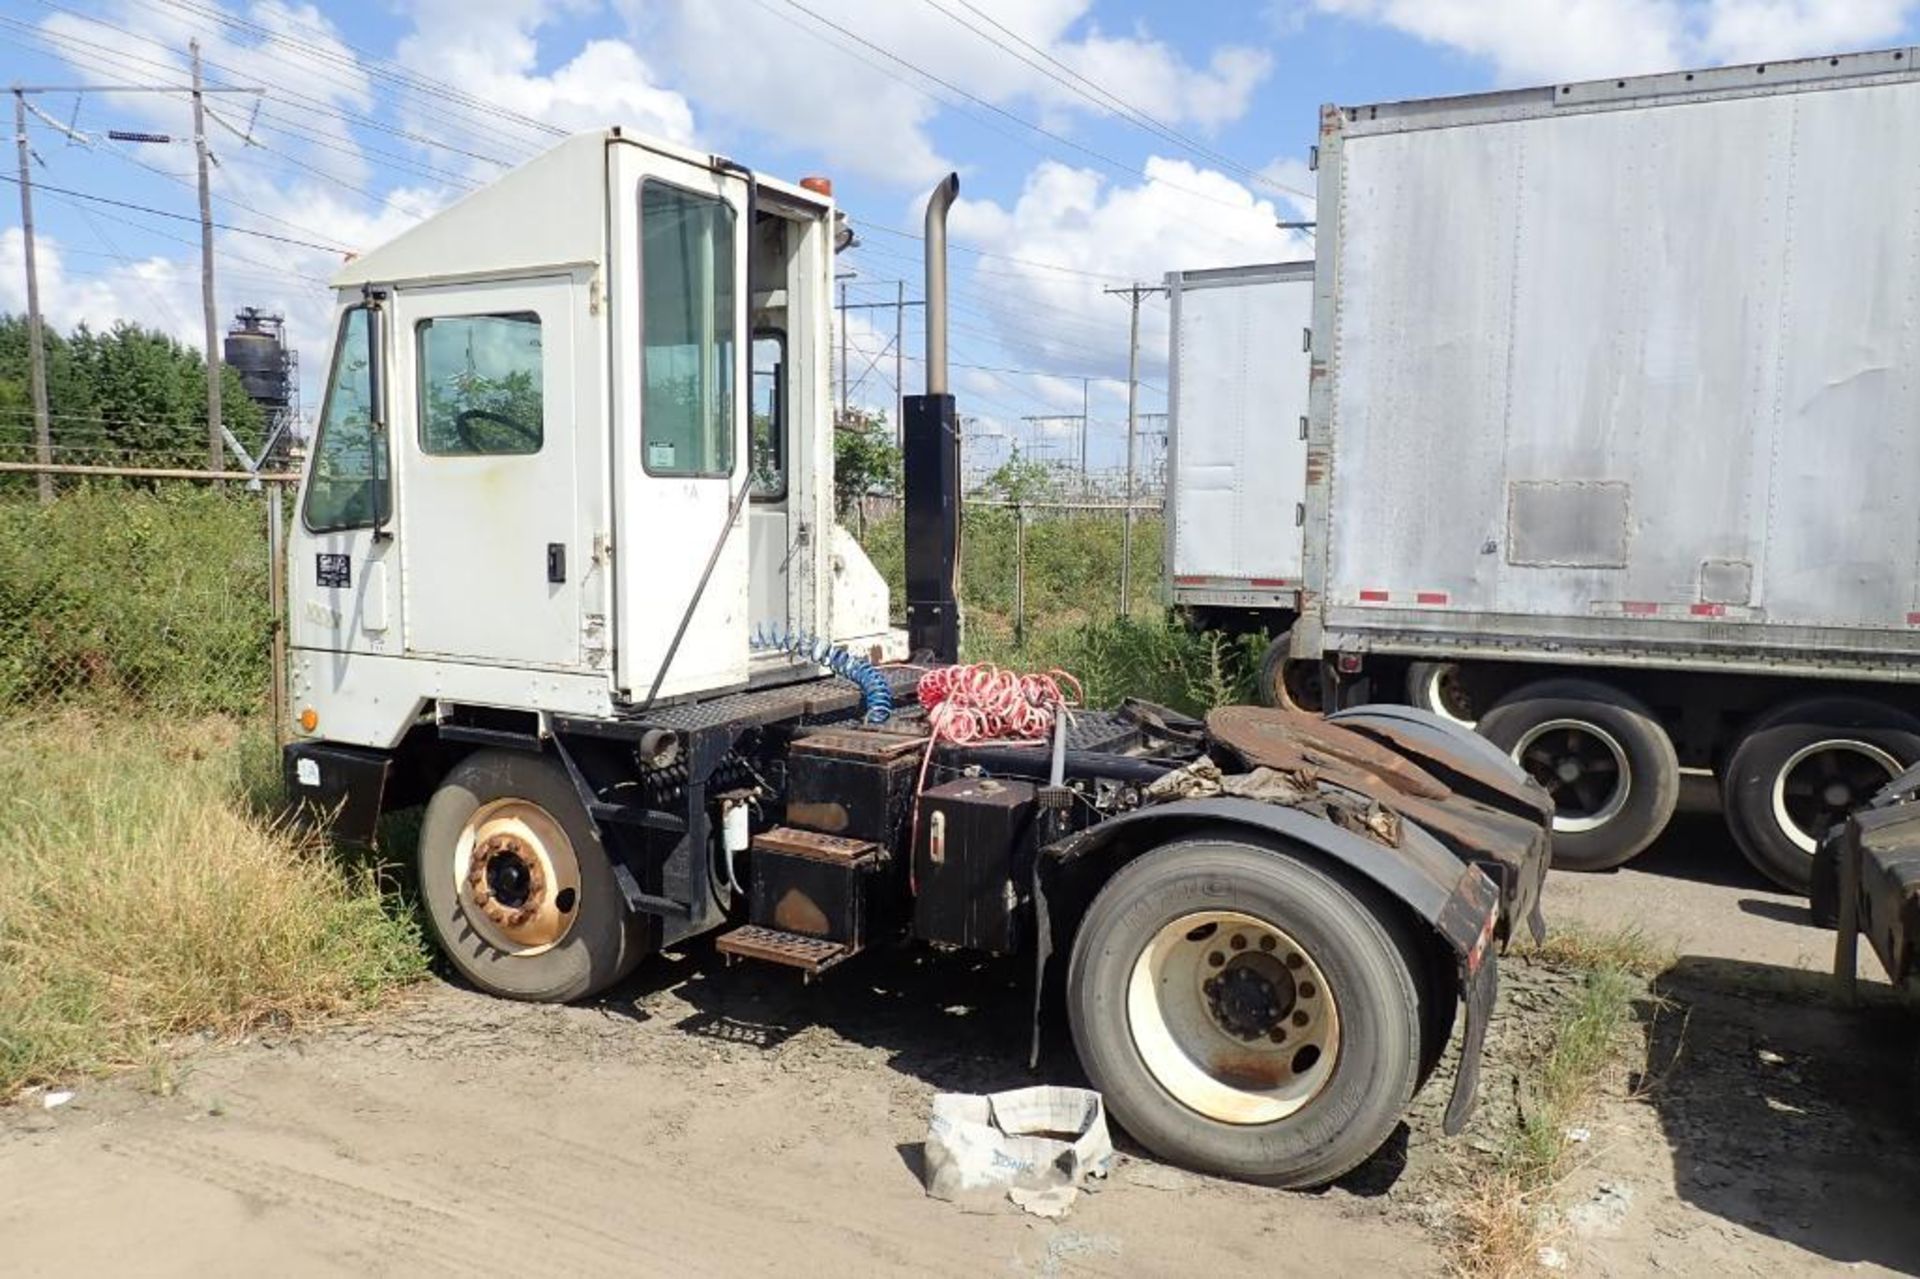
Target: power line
1097, 94
178, 217
951, 87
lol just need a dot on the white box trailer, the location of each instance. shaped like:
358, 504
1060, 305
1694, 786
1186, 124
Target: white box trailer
1612, 442
1237, 435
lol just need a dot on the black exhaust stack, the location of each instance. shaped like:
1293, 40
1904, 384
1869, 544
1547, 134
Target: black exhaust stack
931, 458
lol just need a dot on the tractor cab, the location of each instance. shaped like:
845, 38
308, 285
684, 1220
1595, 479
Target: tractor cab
575, 451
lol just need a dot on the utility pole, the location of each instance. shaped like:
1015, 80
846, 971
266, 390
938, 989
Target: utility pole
899, 364
36, 343
1133, 292
1085, 417
846, 370
215, 462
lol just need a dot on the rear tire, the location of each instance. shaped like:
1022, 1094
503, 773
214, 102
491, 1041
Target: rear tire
1609, 766
1286, 681
1293, 1072
1800, 769
543, 918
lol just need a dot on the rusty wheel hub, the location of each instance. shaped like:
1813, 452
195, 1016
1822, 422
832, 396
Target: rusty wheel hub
1233, 1017
517, 877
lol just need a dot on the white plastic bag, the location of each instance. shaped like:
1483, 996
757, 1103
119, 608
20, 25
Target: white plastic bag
1033, 1145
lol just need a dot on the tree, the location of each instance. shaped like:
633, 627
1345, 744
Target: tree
865, 458
130, 395
1019, 480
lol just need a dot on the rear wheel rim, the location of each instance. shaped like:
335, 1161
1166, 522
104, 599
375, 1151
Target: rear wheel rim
1584, 768
1446, 698
516, 877
1233, 1018
1821, 783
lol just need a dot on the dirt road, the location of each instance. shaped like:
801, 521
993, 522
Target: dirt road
712, 1121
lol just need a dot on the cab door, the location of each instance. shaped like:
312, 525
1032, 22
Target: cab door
681, 459
483, 420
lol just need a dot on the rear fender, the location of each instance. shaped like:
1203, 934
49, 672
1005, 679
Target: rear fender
1457, 901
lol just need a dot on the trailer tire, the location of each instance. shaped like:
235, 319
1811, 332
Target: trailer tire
1605, 738
1437, 687
1335, 973
541, 918
1774, 789
1287, 681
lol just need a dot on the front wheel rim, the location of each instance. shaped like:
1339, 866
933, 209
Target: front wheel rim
516, 877
1233, 1018
1821, 783
1584, 768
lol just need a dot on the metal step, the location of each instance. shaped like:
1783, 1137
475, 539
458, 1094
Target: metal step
790, 841
811, 955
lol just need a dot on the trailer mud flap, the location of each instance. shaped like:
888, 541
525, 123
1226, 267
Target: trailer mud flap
1481, 988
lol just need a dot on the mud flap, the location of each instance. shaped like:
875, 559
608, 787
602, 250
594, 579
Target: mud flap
1481, 987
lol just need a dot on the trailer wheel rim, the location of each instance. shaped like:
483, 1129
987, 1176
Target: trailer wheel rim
1823, 782
1233, 1018
1584, 768
1445, 696
516, 877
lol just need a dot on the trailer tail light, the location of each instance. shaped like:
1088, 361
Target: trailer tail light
309, 719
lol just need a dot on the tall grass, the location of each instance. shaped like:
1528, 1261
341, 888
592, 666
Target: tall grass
114, 592
1499, 1225
144, 896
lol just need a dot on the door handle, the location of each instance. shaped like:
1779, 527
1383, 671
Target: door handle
556, 562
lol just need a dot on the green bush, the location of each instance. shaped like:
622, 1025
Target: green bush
1073, 589
158, 596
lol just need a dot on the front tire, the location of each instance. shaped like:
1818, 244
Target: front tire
1801, 769
1606, 761
1248, 1014
518, 889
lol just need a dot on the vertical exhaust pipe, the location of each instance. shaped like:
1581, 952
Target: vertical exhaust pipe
936, 241
930, 436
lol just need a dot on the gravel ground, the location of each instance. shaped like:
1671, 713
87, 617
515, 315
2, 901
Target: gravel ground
713, 1120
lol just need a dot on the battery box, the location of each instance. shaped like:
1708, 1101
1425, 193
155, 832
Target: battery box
973, 863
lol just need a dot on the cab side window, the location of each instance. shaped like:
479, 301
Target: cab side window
348, 487
480, 384
687, 300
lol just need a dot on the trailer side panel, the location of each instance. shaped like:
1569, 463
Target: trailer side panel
1602, 370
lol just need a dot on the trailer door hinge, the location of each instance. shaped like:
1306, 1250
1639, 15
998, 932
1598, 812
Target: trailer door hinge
1299, 514
1306, 341
593, 293
1313, 159
603, 548
1303, 426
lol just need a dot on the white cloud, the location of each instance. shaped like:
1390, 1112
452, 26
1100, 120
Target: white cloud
1547, 40
1179, 217
490, 49
768, 69
1755, 30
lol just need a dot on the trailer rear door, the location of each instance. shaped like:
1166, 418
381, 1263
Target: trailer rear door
1236, 436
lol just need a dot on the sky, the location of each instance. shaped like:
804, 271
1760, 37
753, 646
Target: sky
1098, 142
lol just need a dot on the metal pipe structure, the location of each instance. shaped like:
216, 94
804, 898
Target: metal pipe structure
936, 246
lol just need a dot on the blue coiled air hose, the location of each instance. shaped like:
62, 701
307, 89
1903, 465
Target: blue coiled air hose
875, 693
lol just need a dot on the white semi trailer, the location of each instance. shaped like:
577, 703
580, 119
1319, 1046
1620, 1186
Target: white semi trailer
1614, 394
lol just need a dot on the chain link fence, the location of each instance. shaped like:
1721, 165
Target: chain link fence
138, 589
1032, 566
